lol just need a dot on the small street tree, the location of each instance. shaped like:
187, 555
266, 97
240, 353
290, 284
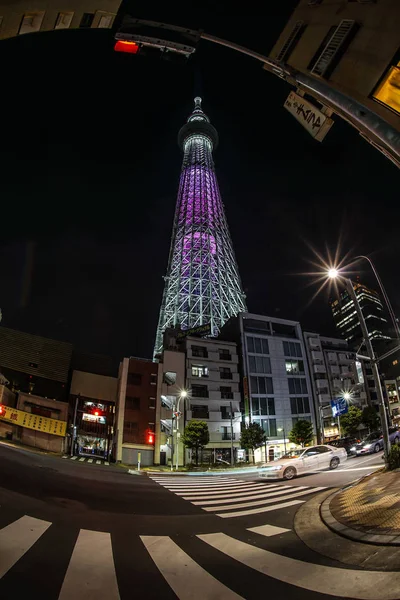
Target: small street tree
252, 437
302, 433
196, 436
370, 418
351, 421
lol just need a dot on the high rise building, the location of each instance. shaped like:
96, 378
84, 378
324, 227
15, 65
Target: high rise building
202, 285
346, 319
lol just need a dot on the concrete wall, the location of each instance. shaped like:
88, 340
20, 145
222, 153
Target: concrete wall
38, 439
130, 456
98, 387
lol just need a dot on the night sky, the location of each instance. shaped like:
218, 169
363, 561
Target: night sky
90, 170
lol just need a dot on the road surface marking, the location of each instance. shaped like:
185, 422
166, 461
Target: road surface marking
65, 456
258, 502
107, 463
81, 459
333, 581
188, 580
255, 511
243, 497
219, 486
98, 462
268, 530
192, 479
90, 460
17, 538
226, 494
91, 572
74, 457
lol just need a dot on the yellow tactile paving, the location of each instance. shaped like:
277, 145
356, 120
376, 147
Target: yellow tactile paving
373, 504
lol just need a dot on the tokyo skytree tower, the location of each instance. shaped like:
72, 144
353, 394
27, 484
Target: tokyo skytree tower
202, 285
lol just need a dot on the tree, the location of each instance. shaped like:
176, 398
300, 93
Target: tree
351, 421
196, 436
302, 433
370, 418
252, 437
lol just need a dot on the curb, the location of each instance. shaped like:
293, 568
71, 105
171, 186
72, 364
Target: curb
353, 534
249, 471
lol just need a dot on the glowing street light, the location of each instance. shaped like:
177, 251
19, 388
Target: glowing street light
333, 273
347, 396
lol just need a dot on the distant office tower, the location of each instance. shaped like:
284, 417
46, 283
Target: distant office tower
346, 319
202, 285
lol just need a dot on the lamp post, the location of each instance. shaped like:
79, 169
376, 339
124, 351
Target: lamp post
334, 274
177, 414
284, 436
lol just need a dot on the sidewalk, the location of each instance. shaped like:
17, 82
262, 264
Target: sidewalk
367, 511
19, 446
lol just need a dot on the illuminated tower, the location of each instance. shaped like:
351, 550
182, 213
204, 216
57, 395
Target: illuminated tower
202, 284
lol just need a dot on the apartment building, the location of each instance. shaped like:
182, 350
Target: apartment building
275, 381
334, 371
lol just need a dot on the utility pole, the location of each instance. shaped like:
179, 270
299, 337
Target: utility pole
232, 449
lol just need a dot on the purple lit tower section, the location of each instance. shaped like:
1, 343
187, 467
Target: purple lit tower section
202, 284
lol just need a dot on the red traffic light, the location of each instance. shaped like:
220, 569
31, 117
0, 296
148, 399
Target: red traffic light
125, 46
2, 409
150, 437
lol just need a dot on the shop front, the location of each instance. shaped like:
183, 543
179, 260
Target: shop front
94, 429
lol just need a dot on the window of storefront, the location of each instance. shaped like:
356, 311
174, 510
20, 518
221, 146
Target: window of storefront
388, 89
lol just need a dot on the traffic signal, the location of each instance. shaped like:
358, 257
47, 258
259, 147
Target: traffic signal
150, 438
2, 410
126, 46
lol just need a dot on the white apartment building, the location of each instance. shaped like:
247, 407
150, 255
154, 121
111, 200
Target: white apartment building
276, 383
334, 370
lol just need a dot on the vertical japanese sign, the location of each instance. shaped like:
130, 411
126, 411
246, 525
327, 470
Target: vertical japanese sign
316, 122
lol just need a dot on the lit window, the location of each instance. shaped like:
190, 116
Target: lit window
31, 22
199, 371
294, 367
64, 20
395, 362
388, 91
106, 21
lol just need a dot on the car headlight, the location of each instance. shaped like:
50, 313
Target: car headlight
276, 468
353, 449
367, 446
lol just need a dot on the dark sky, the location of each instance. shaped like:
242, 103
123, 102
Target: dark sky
90, 169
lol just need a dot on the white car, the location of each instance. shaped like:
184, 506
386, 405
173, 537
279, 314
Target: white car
305, 460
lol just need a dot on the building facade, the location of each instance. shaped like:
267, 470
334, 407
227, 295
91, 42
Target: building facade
276, 385
353, 44
334, 371
347, 321
29, 16
202, 285
134, 434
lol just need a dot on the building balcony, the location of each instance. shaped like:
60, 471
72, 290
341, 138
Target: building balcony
334, 370
321, 383
319, 369
331, 357
317, 355
314, 342
324, 399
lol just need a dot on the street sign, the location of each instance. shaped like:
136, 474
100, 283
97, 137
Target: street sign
316, 122
339, 407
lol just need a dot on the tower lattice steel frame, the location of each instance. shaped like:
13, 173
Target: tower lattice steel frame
202, 284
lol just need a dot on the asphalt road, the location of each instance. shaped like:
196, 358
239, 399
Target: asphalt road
71, 530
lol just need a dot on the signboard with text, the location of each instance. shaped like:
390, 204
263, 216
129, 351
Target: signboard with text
339, 407
200, 331
316, 122
25, 419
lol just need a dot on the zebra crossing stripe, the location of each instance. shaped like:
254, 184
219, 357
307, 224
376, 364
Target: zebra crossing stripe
74, 457
333, 581
269, 501
206, 488
188, 580
226, 493
98, 462
91, 571
17, 538
268, 530
81, 459
65, 456
239, 497
90, 460
255, 511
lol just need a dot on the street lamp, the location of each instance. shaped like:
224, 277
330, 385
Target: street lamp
182, 394
333, 273
284, 436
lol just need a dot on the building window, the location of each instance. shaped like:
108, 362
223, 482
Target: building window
199, 391
261, 385
292, 349
106, 21
199, 351
292, 41
63, 20
227, 434
132, 403
299, 406
297, 386
268, 425
226, 393
262, 406
225, 373
199, 411
31, 22
257, 345
224, 354
226, 412
134, 378
87, 20
388, 89
152, 402
294, 367
199, 371
259, 364
333, 47
131, 431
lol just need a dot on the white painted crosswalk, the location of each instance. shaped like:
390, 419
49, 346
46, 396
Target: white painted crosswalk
228, 497
87, 460
93, 571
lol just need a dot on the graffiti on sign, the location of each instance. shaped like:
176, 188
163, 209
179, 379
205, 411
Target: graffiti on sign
312, 119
